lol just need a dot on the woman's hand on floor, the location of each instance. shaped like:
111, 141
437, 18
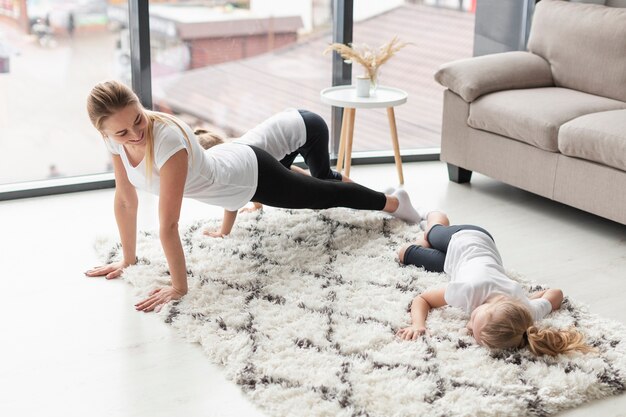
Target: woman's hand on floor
158, 298
411, 333
110, 271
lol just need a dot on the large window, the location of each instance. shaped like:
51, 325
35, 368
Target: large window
230, 67
51, 53
223, 64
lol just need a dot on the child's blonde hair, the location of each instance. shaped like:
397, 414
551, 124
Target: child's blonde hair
510, 325
208, 138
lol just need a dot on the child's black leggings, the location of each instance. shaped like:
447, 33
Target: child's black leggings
278, 186
433, 258
315, 149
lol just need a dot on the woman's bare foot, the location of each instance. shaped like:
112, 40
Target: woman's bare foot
344, 178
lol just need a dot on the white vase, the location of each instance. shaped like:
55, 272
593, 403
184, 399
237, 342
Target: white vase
363, 86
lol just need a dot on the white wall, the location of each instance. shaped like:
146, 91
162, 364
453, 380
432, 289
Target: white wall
302, 8
364, 9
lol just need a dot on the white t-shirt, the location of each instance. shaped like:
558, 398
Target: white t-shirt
224, 175
475, 268
279, 135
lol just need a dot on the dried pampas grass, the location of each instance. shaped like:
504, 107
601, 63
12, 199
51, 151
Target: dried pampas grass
370, 59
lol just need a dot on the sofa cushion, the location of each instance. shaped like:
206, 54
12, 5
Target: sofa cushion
534, 115
585, 45
473, 77
598, 137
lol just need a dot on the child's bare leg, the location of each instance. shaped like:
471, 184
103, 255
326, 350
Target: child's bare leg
433, 218
419, 242
299, 170
294, 168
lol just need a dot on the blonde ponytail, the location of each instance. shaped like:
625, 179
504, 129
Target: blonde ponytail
166, 119
510, 325
550, 341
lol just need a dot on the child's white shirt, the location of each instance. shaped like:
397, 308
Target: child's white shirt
476, 273
224, 175
280, 135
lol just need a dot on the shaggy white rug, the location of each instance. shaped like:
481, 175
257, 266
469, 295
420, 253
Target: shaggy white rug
301, 307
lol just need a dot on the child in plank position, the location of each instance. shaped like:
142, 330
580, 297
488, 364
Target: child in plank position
284, 136
501, 315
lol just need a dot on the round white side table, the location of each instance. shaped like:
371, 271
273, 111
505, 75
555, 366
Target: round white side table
345, 96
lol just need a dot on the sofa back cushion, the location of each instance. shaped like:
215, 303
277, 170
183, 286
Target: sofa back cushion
585, 45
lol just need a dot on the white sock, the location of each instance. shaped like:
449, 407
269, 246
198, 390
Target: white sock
389, 190
405, 210
420, 210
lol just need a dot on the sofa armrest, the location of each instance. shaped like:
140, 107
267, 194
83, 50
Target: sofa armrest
474, 77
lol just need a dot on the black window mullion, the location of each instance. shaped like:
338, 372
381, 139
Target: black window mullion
342, 72
139, 28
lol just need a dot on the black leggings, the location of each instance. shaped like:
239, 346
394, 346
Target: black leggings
433, 258
315, 149
281, 187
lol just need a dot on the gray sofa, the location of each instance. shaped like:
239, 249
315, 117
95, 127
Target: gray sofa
551, 120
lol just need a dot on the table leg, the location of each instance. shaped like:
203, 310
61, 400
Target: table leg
342, 141
394, 140
350, 135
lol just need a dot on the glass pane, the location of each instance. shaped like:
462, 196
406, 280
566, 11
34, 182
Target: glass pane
231, 66
52, 52
438, 31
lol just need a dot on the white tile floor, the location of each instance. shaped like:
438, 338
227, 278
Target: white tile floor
73, 346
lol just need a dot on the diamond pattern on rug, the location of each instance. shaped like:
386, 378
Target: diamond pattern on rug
301, 308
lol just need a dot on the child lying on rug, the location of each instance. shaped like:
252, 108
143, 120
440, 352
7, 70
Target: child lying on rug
274, 136
501, 316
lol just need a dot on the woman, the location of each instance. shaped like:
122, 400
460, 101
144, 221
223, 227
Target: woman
153, 151
501, 315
